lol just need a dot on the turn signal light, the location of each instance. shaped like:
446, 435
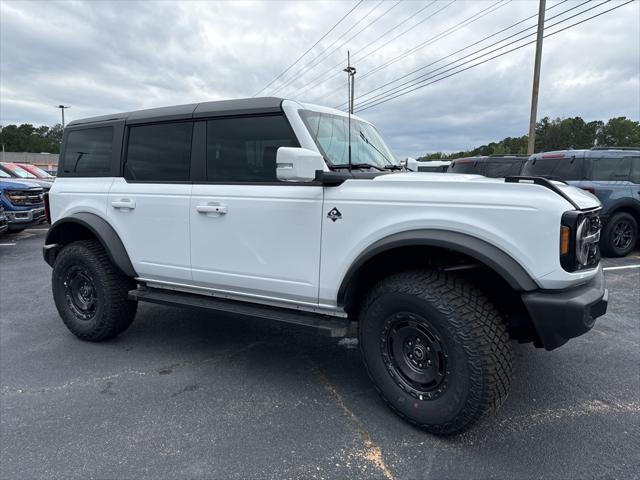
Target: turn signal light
564, 240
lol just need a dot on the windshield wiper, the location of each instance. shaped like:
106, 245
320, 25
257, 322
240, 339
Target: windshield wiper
356, 165
390, 165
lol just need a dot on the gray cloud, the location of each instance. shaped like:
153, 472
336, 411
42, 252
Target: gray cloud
103, 57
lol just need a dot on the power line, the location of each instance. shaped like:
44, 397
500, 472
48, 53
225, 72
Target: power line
494, 57
428, 74
470, 45
319, 77
348, 30
311, 65
447, 32
308, 50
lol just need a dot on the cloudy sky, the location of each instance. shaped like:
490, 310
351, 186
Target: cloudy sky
108, 56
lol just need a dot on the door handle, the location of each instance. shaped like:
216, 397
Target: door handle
124, 203
218, 209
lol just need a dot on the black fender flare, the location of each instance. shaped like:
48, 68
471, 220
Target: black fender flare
100, 229
490, 255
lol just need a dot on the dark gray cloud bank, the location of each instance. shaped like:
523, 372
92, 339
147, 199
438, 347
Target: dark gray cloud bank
108, 56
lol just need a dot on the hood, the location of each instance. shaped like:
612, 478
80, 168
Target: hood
34, 182
582, 198
15, 184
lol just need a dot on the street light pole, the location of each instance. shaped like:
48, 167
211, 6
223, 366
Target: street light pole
536, 80
62, 107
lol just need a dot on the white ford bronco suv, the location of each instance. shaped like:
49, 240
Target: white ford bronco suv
296, 213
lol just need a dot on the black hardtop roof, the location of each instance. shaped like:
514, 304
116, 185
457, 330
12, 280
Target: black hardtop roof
241, 106
595, 152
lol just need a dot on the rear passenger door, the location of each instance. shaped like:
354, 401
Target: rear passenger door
149, 205
252, 235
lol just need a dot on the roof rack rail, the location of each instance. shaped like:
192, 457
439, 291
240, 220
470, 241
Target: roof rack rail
498, 155
544, 182
615, 148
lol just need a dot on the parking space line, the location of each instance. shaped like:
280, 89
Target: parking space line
622, 267
37, 229
7, 244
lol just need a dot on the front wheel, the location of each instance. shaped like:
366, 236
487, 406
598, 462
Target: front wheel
91, 295
436, 350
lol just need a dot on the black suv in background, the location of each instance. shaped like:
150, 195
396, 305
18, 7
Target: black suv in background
495, 166
610, 173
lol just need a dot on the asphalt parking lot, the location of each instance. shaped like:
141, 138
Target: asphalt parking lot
185, 395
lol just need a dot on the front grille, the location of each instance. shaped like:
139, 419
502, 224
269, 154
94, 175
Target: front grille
25, 197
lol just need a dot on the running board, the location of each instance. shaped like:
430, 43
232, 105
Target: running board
324, 324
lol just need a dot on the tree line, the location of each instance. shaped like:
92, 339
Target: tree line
27, 138
559, 134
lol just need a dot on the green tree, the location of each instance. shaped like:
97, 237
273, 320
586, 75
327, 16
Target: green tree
27, 138
619, 132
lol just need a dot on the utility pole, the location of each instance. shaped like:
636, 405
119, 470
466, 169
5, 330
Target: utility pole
62, 107
351, 72
536, 79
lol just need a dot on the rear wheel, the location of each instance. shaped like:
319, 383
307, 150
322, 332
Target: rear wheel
90, 293
436, 349
620, 235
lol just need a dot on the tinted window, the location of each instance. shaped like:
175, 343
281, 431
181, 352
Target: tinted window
563, 168
244, 149
502, 168
159, 153
464, 166
88, 152
610, 168
635, 169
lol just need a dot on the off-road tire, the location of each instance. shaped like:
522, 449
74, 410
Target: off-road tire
607, 244
470, 330
111, 312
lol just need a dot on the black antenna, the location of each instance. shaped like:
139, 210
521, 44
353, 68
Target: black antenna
351, 72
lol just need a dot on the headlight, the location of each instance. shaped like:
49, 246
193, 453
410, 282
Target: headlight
579, 240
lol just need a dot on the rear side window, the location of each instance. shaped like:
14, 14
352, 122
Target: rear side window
504, 168
88, 152
159, 153
635, 169
563, 168
244, 149
610, 169
464, 166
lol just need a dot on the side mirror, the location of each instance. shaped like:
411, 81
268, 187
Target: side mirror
298, 164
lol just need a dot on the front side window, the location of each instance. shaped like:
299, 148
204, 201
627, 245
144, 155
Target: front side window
244, 149
159, 153
610, 169
331, 134
88, 152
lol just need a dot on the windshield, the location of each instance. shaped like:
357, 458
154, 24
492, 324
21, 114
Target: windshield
4, 174
331, 134
20, 172
38, 172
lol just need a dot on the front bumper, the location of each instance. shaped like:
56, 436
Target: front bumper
561, 315
22, 217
